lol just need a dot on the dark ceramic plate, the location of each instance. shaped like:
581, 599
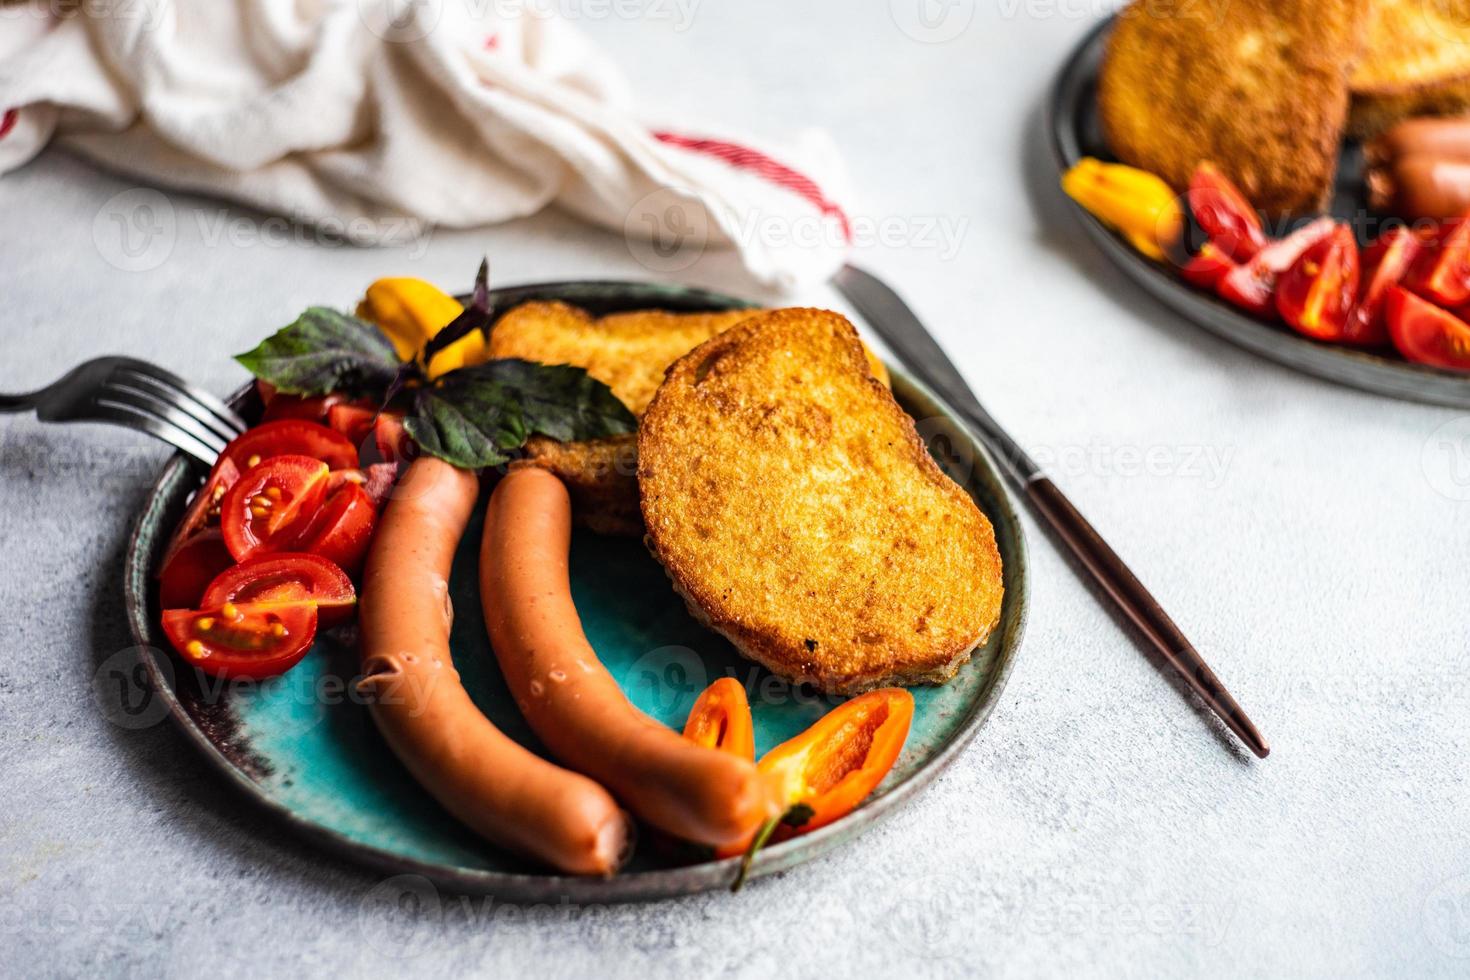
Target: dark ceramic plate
1075, 132
302, 748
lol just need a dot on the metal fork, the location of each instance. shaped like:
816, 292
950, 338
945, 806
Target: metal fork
137, 395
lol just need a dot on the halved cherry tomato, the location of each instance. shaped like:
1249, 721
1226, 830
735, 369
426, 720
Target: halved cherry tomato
1224, 214
1442, 272
1207, 266
375, 478
191, 566
286, 577
291, 437
312, 408
1316, 295
1385, 263
204, 508
272, 504
720, 719
1426, 334
354, 420
393, 441
342, 530
243, 641
1251, 286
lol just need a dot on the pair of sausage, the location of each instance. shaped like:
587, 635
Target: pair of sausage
1420, 168
504, 792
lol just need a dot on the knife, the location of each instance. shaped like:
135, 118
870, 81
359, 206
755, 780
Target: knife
921, 354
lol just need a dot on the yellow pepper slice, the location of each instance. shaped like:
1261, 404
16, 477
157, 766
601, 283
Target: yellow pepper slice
411, 311
1139, 205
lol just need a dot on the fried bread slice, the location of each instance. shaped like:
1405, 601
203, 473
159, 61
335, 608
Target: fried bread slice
798, 512
1415, 62
626, 351
629, 353
1259, 87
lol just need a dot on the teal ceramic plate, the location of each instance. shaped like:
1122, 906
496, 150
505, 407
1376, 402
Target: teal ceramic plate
306, 750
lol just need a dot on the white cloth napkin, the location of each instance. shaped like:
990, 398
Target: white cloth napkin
372, 113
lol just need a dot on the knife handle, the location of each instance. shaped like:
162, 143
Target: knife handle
1127, 592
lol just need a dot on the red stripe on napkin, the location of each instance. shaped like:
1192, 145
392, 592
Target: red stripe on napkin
7, 123
745, 158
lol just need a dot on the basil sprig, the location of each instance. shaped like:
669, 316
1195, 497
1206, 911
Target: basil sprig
472, 417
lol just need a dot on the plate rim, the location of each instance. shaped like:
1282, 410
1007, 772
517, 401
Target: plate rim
1358, 369
634, 886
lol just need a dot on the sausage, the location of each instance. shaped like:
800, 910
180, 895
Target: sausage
1448, 138
1420, 186
495, 786
571, 701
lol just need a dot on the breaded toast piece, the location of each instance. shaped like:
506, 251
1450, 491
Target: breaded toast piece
629, 352
1415, 62
799, 514
626, 351
1259, 87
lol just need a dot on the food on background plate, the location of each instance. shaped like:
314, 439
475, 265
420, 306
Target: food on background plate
1136, 204
800, 515
720, 719
1414, 61
1260, 87
570, 700
1420, 168
629, 352
493, 784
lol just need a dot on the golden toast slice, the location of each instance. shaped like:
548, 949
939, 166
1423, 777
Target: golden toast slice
799, 514
1259, 87
1415, 62
629, 352
626, 351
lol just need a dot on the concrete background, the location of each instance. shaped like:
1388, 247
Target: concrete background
1311, 539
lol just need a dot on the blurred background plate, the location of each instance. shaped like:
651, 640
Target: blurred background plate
304, 749
1075, 132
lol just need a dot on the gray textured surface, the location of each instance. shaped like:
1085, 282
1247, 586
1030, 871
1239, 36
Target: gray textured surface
1313, 540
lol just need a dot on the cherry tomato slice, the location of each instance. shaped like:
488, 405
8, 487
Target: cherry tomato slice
1224, 214
243, 641
720, 719
1426, 334
343, 529
290, 437
1316, 295
1442, 273
204, 507
312, 408
354, 420
189, 568
1252, 286
375, 478
272, 504
1384, 264
1207, 267
287, 577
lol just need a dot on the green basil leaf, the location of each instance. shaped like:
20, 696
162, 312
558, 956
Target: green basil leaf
478, 416
325, 351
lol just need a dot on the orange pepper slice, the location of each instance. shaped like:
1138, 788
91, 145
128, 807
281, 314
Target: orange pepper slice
822, 774
720, 719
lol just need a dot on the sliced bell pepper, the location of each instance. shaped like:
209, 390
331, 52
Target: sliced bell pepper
720, 719
1142, 208
411, 311
822, 774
